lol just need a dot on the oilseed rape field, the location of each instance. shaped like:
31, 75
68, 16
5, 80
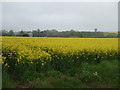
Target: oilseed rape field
43, 54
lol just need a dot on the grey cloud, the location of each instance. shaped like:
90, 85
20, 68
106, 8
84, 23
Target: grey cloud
62, 16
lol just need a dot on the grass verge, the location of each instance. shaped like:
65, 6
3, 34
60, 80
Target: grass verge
87, 75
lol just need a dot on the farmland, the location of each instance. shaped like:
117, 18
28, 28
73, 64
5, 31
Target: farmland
64, 62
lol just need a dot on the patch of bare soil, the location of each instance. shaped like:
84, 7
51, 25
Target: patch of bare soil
25, 86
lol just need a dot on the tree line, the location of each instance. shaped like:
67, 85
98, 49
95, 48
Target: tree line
55, 33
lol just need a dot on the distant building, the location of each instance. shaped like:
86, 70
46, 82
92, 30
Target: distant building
110, 34
87, 30
30, 34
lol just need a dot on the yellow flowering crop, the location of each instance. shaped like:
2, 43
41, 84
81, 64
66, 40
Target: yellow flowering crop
56, 52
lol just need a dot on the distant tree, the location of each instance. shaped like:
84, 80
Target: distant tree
0, 32
72, 33
34, 32
53, 30
4, 33
38, 30
95, 29
11, 33
21, 32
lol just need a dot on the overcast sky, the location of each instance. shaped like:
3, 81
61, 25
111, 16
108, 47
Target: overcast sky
60, 16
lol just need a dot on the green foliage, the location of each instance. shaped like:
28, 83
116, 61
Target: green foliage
7, 82
61, 82
53, 73
30, 75
105, 73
